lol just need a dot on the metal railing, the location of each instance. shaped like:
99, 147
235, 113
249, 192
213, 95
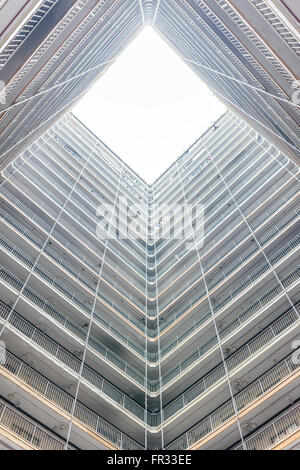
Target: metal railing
28, 430
92, 169
82, 277
267, 297
63, 356
92, 377
228, 229
72, 228
244, 398
230, 296
87, 220
272, 18
215, 193
65, 287
25, 31
259, 304
233, 327
46, 306
190, 331
218, 221
94, 344
244, 354
70, 246
63, 400
274, 432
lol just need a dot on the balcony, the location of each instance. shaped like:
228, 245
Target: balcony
240, 360
64, 401
225, 414
70, 365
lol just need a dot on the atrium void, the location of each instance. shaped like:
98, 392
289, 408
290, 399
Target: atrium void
149, 106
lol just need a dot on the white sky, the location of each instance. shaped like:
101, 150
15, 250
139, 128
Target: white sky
149, 106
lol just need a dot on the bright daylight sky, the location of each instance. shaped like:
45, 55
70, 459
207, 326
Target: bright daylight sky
149, 106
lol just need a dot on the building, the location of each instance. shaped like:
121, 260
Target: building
157, 341
51, 51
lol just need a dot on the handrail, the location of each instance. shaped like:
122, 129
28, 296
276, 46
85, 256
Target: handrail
63, 400
246, 352
209, 380
248, 395
275, 431
25, 31
62, 355
28, 430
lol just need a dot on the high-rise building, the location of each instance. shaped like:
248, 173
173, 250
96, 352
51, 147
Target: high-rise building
127, 324
246, 51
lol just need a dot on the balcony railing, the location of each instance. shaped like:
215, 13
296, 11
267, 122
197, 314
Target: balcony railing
86, 220
68, 324
274, 432
229, 295
65, 401
272, 209
66, 290
50, 310
25, 428
268, 296
34, 217
63, 356
227, 123
63, 242
251, 310
81, 276
227, 269
199, 192
204, 164
217, 222
243, 399
96, 169
25, 31
235, 243
81, 191
212, 207
92, 377
281, 28
255, 306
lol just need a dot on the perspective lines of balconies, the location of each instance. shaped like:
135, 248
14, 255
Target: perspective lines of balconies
200, 391
150, 320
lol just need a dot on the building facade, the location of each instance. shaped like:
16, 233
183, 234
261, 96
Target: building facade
52, 51
127, 324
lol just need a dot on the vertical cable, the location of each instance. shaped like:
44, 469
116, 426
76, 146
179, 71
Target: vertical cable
212, 313
261, 249
158, 342
93, 309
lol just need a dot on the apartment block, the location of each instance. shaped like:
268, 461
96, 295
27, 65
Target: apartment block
52, 51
